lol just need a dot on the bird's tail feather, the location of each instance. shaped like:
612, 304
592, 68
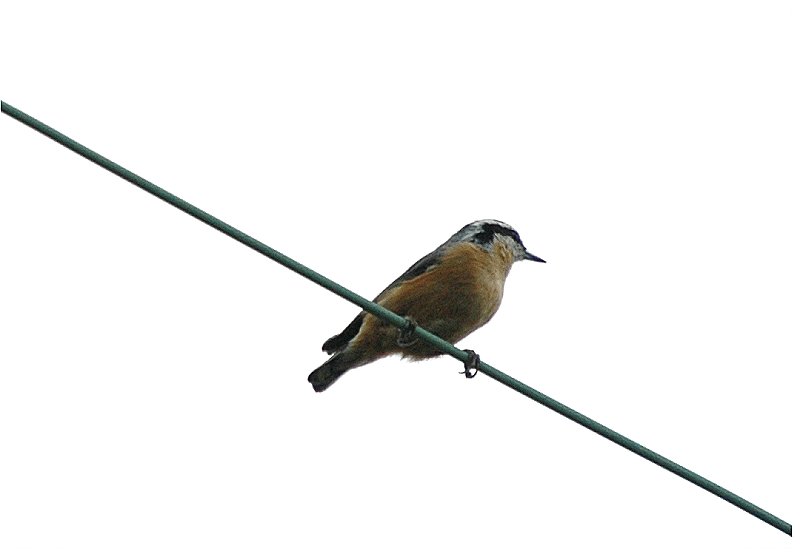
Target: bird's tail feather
326, 374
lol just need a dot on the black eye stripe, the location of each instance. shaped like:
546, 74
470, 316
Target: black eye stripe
490, 229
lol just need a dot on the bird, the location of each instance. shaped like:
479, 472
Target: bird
451, 292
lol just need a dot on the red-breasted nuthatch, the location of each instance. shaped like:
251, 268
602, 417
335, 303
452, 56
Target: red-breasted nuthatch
451, 292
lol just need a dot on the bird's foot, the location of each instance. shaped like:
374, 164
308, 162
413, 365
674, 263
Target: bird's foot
473, 363
406, 336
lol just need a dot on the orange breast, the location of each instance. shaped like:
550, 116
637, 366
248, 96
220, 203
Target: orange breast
452, 300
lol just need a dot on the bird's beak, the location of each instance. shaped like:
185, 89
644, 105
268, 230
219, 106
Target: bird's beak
530, 257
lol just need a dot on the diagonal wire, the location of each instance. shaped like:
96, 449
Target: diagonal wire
398, 321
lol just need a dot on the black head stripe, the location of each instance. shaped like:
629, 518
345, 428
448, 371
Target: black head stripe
489, 230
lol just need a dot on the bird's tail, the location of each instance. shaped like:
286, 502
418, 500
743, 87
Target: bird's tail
326, 374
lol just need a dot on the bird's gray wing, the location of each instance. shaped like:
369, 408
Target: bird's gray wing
420, 267
339, 342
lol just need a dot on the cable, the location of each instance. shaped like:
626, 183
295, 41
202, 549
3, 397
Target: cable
398, 321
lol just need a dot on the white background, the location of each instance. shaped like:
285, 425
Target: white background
153, 394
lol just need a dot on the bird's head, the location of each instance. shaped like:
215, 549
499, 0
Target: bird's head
486, 233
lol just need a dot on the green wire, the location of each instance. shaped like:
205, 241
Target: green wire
398, 321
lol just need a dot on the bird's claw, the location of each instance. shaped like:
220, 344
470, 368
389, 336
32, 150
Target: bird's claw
406, 336
473, 363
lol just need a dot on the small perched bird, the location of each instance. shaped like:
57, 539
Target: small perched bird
451, 292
